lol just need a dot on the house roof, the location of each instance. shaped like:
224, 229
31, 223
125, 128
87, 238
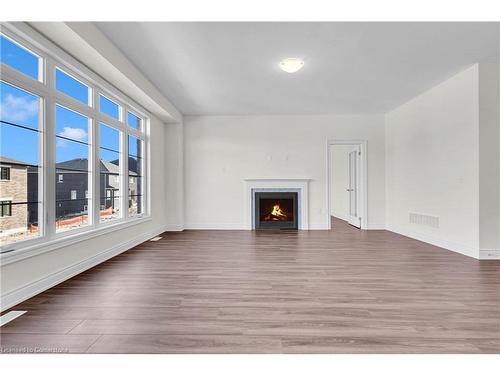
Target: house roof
6, 160
79, 165
70, 166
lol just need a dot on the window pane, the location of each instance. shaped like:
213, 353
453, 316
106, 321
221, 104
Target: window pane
19, 160
71, 155
108, 107
110, 173
18, 222
71, 214
135, 166
134, 185
110, 160
134, 146
134, 175
18, 106
18, 145
72, 87
110, 138
134, 121
72, 169
110, 207
134, 205
74, 185
71, 125
18, 58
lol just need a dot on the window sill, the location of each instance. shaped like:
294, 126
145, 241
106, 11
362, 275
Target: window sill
70, 239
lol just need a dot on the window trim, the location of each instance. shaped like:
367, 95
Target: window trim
50, 58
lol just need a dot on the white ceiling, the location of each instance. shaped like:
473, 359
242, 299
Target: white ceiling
232, 68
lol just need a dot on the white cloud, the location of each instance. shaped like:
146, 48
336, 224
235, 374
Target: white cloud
71, 133
18, 109
74, 133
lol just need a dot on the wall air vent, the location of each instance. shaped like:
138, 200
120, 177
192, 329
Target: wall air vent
425, 220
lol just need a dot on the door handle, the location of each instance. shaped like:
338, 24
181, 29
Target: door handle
350, 189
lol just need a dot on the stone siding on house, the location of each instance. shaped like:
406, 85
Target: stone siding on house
15, 190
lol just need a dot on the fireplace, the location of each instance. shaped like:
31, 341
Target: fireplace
276, 210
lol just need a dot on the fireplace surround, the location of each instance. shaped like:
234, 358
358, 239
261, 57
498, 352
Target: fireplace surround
300, 186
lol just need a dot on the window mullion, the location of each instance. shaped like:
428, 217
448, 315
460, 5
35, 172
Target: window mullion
96, 194
137, 134
73, 104
110, 121
124, 172
146, 192
15, 78
49, 170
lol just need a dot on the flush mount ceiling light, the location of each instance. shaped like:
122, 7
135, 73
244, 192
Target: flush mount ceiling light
291, 64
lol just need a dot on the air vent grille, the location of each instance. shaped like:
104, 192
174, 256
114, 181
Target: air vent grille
425, 220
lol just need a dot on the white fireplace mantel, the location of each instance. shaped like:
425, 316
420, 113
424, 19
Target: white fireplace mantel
299, 185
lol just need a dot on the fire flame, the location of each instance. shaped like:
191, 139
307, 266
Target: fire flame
277, 214
277, 211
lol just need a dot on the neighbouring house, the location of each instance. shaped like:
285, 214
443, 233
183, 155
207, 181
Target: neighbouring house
14, 216
19, 191
72, 186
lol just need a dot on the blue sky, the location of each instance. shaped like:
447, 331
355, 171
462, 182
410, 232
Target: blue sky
18, 58
22, 108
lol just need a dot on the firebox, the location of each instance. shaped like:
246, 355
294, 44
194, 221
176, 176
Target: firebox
276, 210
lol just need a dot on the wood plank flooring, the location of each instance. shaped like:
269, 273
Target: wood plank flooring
339, 291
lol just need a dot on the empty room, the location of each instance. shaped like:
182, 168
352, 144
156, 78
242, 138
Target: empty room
250, 187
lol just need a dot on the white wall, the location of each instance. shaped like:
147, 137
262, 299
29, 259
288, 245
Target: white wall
489, 157
339, 163
432, 163
221, 151
497, 255
174, 179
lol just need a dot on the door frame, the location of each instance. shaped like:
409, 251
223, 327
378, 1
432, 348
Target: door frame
363, 174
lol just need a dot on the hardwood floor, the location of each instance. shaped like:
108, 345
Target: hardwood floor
339, 291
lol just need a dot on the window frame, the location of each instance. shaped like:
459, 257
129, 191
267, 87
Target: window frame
89, 88
41, 75
51, 58
122, 173
7, 173
5, 203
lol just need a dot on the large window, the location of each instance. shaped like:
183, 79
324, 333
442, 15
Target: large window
73, 154
20, 131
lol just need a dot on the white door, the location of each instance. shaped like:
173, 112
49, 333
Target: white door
353, 189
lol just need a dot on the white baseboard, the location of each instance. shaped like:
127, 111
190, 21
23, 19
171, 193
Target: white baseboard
25, 292
216, 226
340, 216
445, 244
174, 228
376, 226
489, 254
318, 226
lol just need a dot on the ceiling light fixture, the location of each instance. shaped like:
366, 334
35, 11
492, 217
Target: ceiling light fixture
291, 64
